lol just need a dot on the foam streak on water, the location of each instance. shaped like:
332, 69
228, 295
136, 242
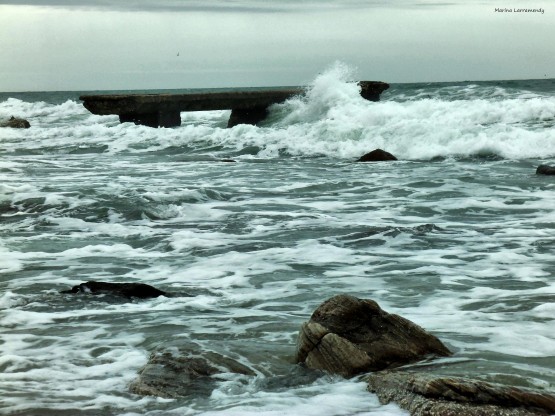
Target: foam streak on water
458, 237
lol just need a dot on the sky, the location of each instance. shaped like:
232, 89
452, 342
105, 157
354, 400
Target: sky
62, 45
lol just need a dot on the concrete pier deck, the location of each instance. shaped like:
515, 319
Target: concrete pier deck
248, 106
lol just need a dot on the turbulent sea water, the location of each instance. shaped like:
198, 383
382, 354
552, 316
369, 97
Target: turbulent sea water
458, 236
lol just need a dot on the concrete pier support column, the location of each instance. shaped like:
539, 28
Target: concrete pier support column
155, 119
251, 115
169, 118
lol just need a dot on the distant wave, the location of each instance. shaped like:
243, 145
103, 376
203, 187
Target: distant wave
414, 122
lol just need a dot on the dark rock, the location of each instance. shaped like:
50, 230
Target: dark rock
228, 161
428, 395
184, 373
545, 170
128, 290
349, 336
16, 123
377, 155
371, 90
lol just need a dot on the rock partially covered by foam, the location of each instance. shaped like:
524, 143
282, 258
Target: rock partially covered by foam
127, 290
428, 395
545, 170
15, 123
377, 155
181, 373
349, 336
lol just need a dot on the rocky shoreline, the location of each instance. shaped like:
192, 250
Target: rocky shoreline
345, 336
350, 336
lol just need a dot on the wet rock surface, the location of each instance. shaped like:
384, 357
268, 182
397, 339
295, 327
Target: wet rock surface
545, 170
126, 290
349, 336
377, 155
371, 90
429, 395
181, 373
15, 123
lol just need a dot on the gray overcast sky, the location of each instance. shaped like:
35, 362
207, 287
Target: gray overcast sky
101, 44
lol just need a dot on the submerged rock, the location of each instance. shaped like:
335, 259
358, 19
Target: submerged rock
184, 373
128, 290
15, 123
429, 395
377, 155
349, 336
545, 170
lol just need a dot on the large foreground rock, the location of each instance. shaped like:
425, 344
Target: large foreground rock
184, 373
428, 395
126, 290
15, 123
349, 336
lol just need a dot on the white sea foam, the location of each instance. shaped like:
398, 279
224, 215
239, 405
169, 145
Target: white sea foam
461, 246
337, 398
10, 300
9, 261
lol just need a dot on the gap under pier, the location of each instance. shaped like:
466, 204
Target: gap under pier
248, 106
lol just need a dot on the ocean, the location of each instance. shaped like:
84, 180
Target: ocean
457, 236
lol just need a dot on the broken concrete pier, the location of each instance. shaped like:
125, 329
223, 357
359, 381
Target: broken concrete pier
248, 106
